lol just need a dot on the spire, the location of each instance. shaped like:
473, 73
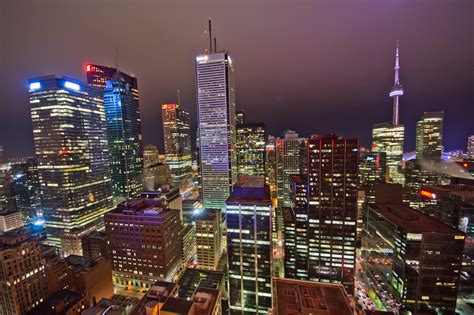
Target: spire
397, 89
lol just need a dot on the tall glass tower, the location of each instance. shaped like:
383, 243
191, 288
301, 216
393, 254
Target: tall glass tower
429, 136
124, 136
177, 139
73, 158
216, 111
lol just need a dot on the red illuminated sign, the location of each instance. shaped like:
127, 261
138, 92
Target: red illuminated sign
88, 68
169, 106
427, 194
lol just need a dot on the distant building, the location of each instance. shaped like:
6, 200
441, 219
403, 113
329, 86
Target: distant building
470, 147
26, 187
240, 117
249, 246
73, 171
63, 302
270, 163
372, 170
188, 245
23, 282
177, 140
297, 297
423, 256
157, 175
151, 156
429, 136
124, 136
193, 278
216, 110
95, 245
419, 173
144, 242
10, 220
250, 147
7, 198
208, 238
169, 196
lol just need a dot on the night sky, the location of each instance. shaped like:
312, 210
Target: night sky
306, 65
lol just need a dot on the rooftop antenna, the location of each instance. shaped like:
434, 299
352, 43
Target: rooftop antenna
179, 98
116, 58
215, 45
210, 35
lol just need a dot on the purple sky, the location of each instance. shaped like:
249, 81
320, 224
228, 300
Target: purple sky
306, 65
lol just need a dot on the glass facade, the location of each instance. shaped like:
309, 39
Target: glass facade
73, 159
216, 111
429, 136
250, 148
124, 138
26, 187
177, 139
390, 139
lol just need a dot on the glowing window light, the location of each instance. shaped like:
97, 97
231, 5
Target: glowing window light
35, 85
427, 194
72, 86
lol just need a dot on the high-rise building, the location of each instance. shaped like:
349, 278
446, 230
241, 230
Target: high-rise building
249, 246
7, 198
23, 283
124, 137
144, 242
151, 156
470, 147
73, 159
216, 111
297, 297
97, 76
177, 139
389, 137
240, 117
296, 231
332, 208
250, 147
188, 245
372, 168
418, 256
26, 187
417, 175
429, 136
10, 220
270, 163
208, 238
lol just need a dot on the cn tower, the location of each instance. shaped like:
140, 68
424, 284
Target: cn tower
397, 89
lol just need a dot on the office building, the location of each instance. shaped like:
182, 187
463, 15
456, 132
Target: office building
418, 256
156, 176
296, 231
249, 246
270, 163
470, 147
7, 198
429, 136
97, 76
63, 302
419, 173
188, 245
26, 187
177, 140
23, 282
193, 278
209, 238
372, 170
169, 196
124, 136
297, 297
10, 220
151, 156
216, 112
390, 137
250, 147
95, 245
73, 160
144, 242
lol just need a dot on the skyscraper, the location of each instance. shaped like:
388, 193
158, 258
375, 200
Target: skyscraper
250, 147
144, 242
389, 137
208, 238
26, 187
332, 208
249, 244
151, 156
270, 163
124, 137
470, 147
97, 76
73, 159
216, 111
429, 136
177, 139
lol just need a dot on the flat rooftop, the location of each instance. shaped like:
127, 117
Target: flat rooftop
250, 189
411, 220
58, 303
142, 207
178, 306
308, 297
193, 278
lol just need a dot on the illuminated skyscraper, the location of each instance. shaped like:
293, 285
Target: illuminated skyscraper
177, 139
470, 147
151, 156
250, 149
73, 159
124, 137
208, 238
26, 187
97, 76
216, 111
389, 137
332, 208
270, 163
249, 244
429, 136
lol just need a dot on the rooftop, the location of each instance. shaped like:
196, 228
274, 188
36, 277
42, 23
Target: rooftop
207, 215
250, 189
58, 303
82, 263
178, 306
193, 278
308, 297
112, 306
411, 220
158, 293
142, 207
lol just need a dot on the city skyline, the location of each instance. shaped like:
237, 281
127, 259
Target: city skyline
358, 60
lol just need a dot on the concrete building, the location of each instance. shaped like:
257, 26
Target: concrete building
95, 245
63, 302
208, 238
10, 220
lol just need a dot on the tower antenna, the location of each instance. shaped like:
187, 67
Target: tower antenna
116, 58
179, 98
210, 35
215, 45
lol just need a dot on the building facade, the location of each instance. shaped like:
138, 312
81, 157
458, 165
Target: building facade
250, 147
249, 246
71, 149
177, 140
208, 238
429, 136
216, 112
26, 187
